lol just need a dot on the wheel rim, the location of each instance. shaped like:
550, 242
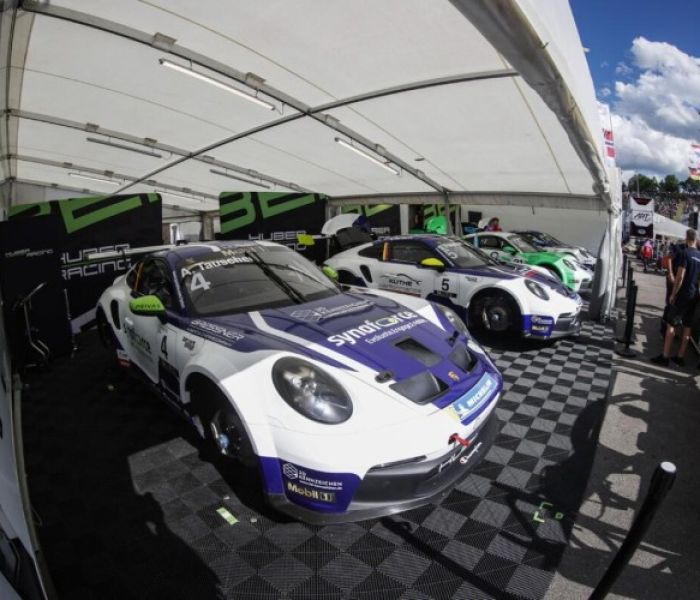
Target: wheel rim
496, 317
226, 436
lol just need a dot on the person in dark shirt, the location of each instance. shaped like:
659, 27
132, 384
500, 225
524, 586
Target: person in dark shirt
683, 300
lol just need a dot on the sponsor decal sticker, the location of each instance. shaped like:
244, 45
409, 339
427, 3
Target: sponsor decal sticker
311, 494
474, 398
400, 283
465, 459
216, 330
372, 331
290, 471
321, 313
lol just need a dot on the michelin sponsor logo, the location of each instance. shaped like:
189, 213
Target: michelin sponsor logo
378, 329
474, 398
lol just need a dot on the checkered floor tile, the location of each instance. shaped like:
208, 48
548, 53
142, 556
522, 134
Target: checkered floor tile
128, 501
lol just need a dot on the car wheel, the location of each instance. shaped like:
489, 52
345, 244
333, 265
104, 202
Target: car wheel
495, 313
223, 428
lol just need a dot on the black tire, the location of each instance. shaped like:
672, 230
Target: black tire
495, 313
223, 429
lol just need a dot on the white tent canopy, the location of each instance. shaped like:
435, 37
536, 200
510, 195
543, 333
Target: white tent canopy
445, 96
668, 227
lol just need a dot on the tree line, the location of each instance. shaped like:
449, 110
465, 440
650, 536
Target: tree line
669, 185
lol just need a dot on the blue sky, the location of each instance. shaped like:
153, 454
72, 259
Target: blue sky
652, 84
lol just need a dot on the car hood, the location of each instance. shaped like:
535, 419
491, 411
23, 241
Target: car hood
348, 331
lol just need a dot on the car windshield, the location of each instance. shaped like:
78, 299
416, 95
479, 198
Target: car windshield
520, 244
245, 278
462, 255
549, 240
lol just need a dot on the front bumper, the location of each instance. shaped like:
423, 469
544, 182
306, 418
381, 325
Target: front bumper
387, 490
566, 325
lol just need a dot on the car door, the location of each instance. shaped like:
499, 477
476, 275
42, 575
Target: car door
401, 271
151, 340
492, 245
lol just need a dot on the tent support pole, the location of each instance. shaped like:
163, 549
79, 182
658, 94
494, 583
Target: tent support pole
446, 198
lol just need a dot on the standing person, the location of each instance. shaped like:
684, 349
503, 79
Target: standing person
669, 263
647, 253
493, 225
683, 300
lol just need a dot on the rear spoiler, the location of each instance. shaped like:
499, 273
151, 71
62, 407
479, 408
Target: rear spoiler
124, 252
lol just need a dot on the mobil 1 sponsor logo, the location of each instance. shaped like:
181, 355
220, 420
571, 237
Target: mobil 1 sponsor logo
300, 482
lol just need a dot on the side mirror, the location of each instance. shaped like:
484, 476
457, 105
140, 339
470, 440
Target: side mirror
330, 272
433, 263
509, 249
147, 306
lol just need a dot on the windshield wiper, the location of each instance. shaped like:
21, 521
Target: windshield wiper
281, 283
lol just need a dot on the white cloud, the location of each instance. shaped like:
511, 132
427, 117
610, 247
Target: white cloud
655, 115
644, 149
623, 69
604, 92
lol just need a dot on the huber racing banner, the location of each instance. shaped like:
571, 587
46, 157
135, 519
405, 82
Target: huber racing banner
641, 217
97, 224
277, 217
384, 219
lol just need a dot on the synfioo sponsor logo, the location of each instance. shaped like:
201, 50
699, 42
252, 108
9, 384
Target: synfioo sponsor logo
381, 328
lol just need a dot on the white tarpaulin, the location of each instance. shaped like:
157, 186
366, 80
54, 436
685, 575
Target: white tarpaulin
668, 227
444, 96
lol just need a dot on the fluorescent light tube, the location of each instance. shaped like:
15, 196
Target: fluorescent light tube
216, 83
95, 178
362, 153
123, 147
243, 179
180, 195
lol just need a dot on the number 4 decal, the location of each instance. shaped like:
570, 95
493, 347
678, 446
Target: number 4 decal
164, 346
199, 283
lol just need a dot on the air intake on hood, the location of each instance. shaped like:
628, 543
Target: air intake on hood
461, 357
418, 351
420, 388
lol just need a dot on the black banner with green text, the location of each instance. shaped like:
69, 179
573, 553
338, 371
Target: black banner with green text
96, 224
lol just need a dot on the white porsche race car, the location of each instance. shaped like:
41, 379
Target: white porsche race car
351, 404
446, 270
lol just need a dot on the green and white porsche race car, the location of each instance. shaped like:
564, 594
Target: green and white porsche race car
513, 248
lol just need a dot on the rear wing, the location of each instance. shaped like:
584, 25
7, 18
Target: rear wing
128, 252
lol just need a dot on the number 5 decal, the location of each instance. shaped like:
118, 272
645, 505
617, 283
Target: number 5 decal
445, 285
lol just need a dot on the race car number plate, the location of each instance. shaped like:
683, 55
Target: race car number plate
474, 399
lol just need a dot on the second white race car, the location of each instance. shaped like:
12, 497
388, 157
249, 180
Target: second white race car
488, 295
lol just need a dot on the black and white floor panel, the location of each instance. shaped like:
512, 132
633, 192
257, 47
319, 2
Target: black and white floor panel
128, 503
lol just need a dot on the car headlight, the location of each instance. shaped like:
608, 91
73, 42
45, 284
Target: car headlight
536, 289
570, 264
454, 319
311, 391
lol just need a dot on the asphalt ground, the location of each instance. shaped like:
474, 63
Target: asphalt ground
652, 415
